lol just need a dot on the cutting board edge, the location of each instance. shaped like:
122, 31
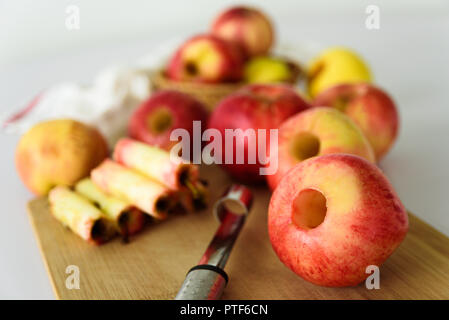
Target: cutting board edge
41, 249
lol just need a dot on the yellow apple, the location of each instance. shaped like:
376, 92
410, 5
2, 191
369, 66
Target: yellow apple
58, 152
333, 66
264, 69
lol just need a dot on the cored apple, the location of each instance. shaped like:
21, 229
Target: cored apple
371, 108
258, 106
207, 58
316, 132
164, 112
248, 27
333, 216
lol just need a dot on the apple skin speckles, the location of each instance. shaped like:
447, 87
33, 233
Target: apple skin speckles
333, 132
371, 108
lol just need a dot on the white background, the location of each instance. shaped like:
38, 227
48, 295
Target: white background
409, 56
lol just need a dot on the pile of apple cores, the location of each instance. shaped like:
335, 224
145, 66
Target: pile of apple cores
140, 181
235, 51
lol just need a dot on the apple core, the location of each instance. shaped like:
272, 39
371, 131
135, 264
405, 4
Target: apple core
163, 204
304, 145
101, 231
309, 209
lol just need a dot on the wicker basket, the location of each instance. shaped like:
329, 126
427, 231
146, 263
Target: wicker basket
209, 94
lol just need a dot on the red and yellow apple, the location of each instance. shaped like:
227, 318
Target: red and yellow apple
332, 216
162, 113
207, 59
316, 132
336, 65
259, 106
371, 108
58, 152
248, 27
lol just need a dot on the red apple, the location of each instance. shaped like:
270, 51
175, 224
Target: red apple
316, 132
248, 27
162, 113
332, 216
371, 108
261, 106
207, 58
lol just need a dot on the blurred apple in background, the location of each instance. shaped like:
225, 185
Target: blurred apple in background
58, 152
371, 108
333, 66
265, 69
253, 107
164, 112
316, 132
207, 58
248, 27
334, 215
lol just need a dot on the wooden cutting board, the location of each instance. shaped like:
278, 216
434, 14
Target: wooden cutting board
153, 265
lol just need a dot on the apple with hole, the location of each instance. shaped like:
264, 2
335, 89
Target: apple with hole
315, 132
248, 27
371, 108
58, 152
332, 216
166, 110
253, 107
207, 59
336, 65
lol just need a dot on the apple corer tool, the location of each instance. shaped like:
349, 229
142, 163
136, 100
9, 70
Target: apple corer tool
207, 280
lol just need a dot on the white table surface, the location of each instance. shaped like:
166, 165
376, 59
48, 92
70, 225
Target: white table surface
409, 56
